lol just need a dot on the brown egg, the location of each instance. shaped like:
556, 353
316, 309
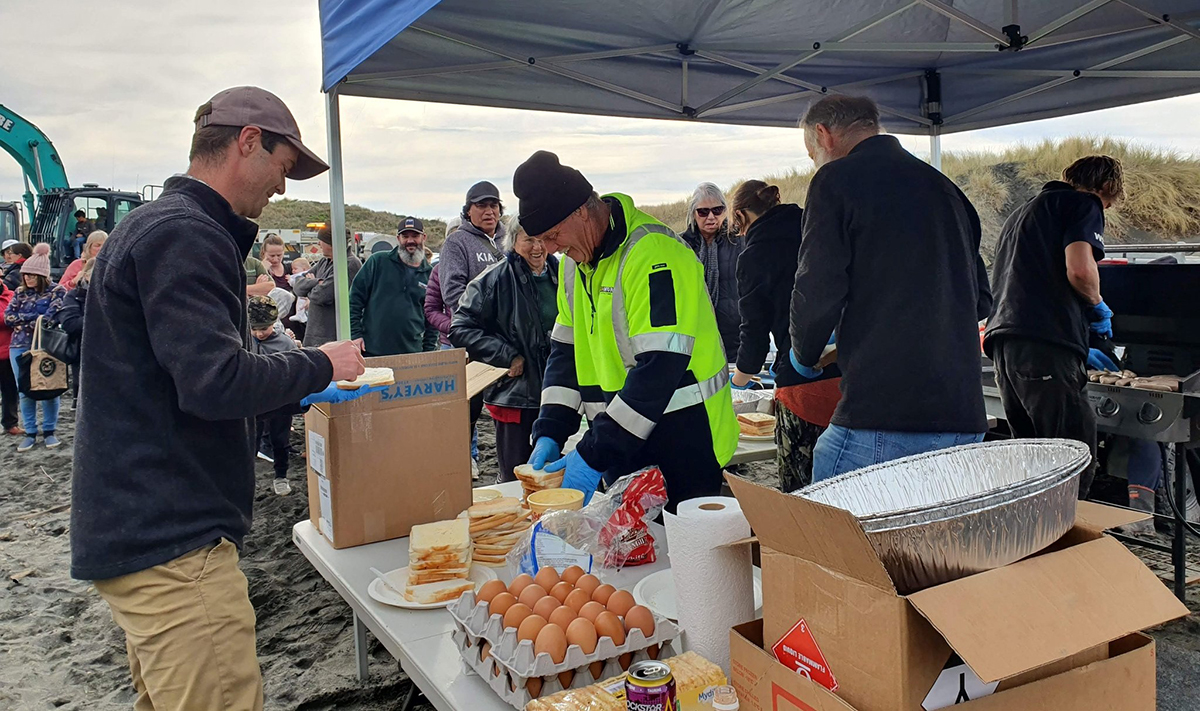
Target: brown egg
516, 615
588, 583
531, 594
572, 574
485, 651
530, 627
561, 590
591, 611
609, 625
546, 606
576, 600
602, 593
640, 618
620, 602
624, 660
547, 578
562, 617
534, 687
501, 603
519, 583
583, 634
489, 590
565, 678
552, 640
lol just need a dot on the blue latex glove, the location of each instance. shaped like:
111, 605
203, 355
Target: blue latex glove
803, 370
1099, 360
334, 394
579, 476
1101, 318
735, 386
544, 450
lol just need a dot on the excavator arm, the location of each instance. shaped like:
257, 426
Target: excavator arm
34, 152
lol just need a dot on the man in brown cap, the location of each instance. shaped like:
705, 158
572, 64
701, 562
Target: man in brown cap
163, 485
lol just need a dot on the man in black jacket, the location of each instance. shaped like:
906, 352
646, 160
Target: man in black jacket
164, 455
890, 259
1048, 305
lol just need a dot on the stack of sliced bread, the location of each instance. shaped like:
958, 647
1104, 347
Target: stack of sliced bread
496, 526
439, 562
756, 424
534, 480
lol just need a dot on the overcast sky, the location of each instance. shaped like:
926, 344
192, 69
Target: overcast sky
115, 84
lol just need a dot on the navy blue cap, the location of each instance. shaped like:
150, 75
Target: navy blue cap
411, 224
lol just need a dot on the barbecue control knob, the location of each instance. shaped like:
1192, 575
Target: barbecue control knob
1108, 407
1149, 414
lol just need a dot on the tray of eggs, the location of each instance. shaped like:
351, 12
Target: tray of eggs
540, 635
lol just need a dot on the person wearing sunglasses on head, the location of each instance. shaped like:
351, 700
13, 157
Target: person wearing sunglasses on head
718, 247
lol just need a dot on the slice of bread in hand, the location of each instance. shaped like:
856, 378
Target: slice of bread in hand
505, 505
370, 376
453, 536
433, 593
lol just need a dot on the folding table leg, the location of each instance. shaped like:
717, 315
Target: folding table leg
1179, 543
413, 693
360, 649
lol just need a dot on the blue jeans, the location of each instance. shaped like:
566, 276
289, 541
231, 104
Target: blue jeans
29, 407
840, 450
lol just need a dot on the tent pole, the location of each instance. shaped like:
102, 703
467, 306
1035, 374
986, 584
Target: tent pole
935, 147
337, 214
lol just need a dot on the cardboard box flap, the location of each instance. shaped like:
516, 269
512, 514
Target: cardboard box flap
421, 379
766, 685
1013, 619
1102, 517
480, 376
827, 536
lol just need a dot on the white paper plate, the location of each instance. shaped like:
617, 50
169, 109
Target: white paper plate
759, 438
399, 579
657, 592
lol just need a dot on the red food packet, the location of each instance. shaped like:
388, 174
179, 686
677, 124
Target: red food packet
625, 539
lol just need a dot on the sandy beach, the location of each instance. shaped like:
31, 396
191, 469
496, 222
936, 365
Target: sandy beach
59, 648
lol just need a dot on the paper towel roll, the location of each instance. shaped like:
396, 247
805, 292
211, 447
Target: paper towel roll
714, 582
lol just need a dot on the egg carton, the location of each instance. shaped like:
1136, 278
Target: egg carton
510, 664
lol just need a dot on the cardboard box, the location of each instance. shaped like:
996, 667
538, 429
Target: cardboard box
379, 465
1057, 610
1120, 679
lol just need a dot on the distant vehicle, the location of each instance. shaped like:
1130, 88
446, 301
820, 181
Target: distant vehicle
10, 221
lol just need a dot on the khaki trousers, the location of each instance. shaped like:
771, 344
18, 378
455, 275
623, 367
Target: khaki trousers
189, 631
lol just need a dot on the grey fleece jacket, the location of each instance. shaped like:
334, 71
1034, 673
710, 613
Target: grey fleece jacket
466, 253
318, 287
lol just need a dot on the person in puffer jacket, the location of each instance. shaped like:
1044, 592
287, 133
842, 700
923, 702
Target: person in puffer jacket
36, 297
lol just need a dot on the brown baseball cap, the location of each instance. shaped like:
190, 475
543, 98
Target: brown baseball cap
252, 106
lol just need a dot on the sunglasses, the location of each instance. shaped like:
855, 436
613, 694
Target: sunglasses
705, 211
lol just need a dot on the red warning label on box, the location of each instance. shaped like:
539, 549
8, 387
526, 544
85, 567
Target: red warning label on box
797, 650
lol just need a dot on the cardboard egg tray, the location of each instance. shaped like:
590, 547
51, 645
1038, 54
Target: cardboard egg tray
510, 664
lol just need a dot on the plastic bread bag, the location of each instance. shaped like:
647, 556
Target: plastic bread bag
609, 533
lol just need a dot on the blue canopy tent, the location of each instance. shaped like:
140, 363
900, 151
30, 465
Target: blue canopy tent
934, 66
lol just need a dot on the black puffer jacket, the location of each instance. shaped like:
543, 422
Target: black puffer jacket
498, 319
729, 320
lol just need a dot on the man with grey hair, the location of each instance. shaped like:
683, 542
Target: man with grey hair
890, 259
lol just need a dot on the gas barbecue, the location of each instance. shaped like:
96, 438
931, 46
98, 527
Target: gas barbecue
1157, 320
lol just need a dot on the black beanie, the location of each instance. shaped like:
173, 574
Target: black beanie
549, 192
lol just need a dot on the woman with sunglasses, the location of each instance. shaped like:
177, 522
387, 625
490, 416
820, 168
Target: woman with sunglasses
718, 248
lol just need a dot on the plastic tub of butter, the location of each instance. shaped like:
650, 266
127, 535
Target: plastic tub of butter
542, 502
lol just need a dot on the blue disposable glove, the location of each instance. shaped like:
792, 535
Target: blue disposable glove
1099, 360
804, 370
1101, 318
735, 386
334, 394
544, 450
579, 474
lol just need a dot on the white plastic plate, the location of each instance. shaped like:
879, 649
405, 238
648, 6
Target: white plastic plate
657, 592
399, 579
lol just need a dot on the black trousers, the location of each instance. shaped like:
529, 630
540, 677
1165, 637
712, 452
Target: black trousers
278, 427
513, 447
8, 395
1044, 391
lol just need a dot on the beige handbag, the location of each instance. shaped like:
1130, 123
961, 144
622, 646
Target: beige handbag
43, 377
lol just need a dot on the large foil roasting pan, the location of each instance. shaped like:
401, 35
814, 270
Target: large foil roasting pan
944, 515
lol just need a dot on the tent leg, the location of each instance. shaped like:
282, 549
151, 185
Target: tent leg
935, 149
337, 214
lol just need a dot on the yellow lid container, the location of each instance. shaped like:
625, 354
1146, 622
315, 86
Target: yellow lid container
541, 502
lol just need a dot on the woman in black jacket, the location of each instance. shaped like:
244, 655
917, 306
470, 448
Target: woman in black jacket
70, 317
504, 320
717, 247
766, 273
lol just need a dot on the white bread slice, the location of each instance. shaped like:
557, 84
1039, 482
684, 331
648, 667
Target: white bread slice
496, 507
438, 561
537, 478
370, 376
421, 577
433, 593
451, 537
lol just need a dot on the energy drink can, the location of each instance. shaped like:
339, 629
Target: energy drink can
650, 686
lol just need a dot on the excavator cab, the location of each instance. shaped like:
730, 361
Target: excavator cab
10, 221
56, 222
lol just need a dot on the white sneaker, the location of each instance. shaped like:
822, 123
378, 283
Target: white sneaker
474, 470
282, 487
